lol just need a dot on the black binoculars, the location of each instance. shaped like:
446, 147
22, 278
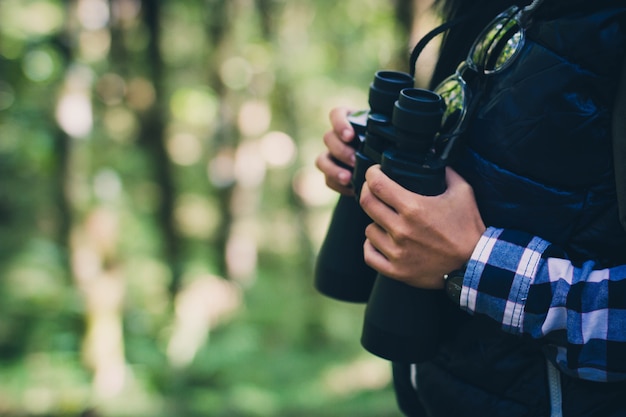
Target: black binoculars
340, 271
402, 323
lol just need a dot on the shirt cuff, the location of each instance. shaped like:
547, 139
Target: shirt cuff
499, 274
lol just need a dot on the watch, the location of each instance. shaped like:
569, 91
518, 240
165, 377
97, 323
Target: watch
454, 285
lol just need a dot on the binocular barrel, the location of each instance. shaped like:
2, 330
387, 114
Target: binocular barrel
402, 323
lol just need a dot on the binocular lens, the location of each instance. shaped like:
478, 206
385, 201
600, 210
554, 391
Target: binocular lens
419, 100
418, 111
384, 90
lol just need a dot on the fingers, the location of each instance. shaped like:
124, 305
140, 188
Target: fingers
337, 161
341, 126
379, 239
337, 177
381, 198
385, 189
338, 139
381, 253
374, 258
339, 150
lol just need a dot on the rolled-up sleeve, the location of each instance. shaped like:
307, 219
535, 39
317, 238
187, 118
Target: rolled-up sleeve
531, 288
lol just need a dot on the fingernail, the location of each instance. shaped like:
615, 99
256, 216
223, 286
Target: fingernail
345, 135
344, 178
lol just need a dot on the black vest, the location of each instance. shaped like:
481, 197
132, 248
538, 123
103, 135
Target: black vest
538, 155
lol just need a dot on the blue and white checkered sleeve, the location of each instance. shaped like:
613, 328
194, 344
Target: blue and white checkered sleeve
530, 287
499, 275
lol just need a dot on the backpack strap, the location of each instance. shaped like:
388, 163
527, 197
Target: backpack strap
619, 145
556, 391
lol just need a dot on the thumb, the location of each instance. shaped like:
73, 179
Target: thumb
453, 179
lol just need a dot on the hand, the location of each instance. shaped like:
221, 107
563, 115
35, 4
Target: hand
417, 239
336, 140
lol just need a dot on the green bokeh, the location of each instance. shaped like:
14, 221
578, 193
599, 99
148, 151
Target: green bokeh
124, 228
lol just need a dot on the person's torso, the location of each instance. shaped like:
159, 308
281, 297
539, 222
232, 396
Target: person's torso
538, 154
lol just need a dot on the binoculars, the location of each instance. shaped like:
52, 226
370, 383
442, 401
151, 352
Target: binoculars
340, 271
401, 323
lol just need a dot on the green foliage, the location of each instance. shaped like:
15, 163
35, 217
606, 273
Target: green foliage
160, 211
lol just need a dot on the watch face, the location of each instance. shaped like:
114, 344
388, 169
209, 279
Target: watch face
454, 285
456, 289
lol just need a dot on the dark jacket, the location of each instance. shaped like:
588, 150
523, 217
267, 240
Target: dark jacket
538, 154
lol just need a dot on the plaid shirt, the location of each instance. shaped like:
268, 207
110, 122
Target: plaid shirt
531, 288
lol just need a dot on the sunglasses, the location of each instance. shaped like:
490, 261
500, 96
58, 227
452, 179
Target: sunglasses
495, 48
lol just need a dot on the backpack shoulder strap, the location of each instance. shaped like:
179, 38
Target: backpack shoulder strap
619, 145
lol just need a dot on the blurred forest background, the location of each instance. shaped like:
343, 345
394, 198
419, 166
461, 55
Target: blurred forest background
160, 211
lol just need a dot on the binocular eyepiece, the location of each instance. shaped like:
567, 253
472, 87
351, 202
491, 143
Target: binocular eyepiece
401, 322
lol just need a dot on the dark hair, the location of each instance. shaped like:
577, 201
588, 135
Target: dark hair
460, 37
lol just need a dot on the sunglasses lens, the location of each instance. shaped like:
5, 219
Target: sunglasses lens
495, 48
452, 91
505, 48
